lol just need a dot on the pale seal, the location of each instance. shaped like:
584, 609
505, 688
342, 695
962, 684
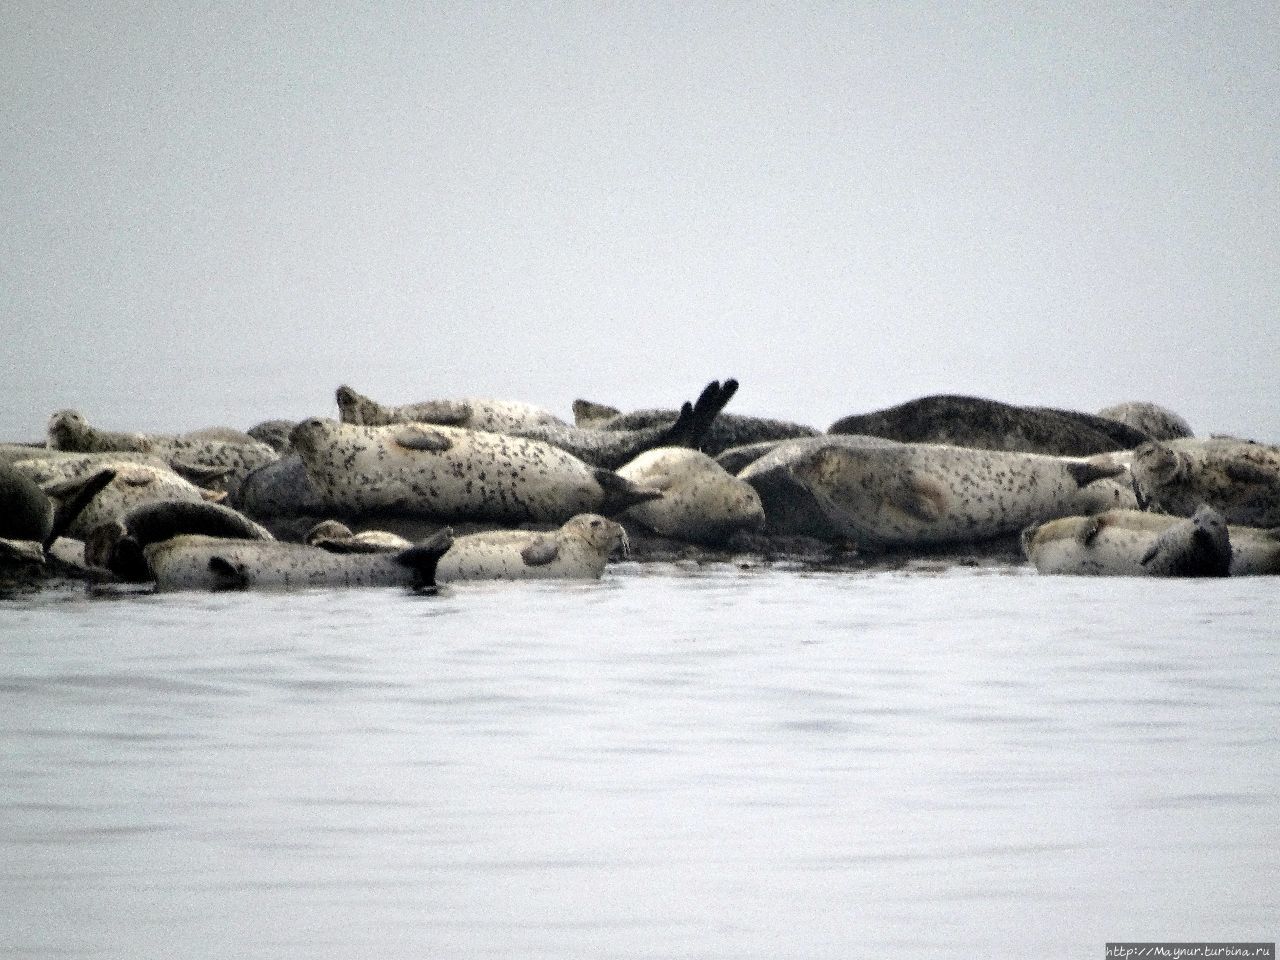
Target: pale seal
908, 495
218, 454
1136, 544
195, 562
447, 473
1157, 422
120, 545
337, 537
578, 550
1239, 478
701, 501
471, 413
991, 425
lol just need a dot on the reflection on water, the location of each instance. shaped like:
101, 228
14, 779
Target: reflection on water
676, 761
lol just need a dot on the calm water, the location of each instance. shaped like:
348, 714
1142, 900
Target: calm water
707, 763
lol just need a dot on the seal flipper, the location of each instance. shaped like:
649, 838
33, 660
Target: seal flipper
197, 473
426, 441
689, 431
1086, 473
540, 552
423, 557
73, 498
620, 493
231, 576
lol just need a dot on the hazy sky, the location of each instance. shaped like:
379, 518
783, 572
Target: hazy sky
218, 212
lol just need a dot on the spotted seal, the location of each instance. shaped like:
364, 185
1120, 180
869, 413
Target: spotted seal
701, 501
196, 562
471, 413
280, 489
906, 495
1239, 478
336, 537
120, 544
578, 550
1157, 422
221, 456
449, 473
1139, 544
133, 485
32, 514
991, 425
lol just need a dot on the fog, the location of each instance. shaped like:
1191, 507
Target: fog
217, 214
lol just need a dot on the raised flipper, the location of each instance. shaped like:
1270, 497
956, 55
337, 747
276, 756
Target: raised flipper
540, 552
72, 498
690, 428
423, 557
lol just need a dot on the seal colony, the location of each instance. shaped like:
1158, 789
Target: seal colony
455, 490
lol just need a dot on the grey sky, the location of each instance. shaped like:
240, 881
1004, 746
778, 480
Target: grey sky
219, 212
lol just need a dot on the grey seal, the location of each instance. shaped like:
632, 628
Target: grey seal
991, 425
30, 513
451, 474
727, 430
196, 562
1157, 422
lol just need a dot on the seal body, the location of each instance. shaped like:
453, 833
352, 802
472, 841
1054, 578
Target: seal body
134, 484
280, 489
1239, 478
450, 473
579, 550
991, 425
701, 501
1131, 543
728, 429
905, 495
195, 562
471, 413
1155, 421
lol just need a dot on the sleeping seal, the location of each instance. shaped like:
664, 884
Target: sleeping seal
1239, 478
576, 551
991, 425
31, 514
218, 452
471, 413
280, 489
448, 473
701, 501
1138, 544
727, 430
337, 537
1153, 420
195, 562
905, 495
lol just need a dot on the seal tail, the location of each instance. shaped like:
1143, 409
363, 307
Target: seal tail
1086, 473
621, 493
423, 557
72, 499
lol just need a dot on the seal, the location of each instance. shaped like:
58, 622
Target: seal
912, 495
195, 562
274, 433
280, 489
701, 501
1131, 543
610, 449
991, 425
208, 454
1239, 478
1157, 422
471, 413
448, 473
29, 513
578, 550
337, 537
120, 544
